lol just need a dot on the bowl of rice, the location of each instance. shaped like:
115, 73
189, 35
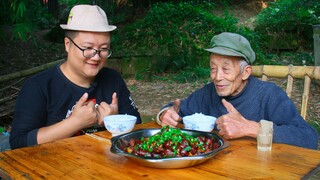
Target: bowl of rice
199, 122
119, 123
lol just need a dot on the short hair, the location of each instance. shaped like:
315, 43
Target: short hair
243, 63
71, 34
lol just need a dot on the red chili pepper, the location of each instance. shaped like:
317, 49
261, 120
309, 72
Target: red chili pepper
92, 99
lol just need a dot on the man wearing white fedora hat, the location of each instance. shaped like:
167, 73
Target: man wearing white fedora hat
75, 95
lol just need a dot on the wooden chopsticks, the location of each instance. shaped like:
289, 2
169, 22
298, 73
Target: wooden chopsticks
99, 138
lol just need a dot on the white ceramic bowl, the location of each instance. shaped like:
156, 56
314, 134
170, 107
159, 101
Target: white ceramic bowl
199, 122
119, 123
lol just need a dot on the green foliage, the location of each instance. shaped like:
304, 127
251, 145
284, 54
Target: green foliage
4, 18
192, 75
315, 123
296, 58
4, 12
22, 31
257, 42
291, 19
25, 16
171, 37
175, 34
21, 19
68, 4
71, 3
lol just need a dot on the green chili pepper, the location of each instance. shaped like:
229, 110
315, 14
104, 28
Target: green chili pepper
188, 148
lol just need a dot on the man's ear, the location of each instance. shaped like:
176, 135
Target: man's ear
66, 44
246, 72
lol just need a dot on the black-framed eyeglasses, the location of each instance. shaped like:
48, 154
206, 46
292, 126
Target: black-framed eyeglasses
90, 52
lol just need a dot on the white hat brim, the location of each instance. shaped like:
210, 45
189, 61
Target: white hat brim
102, 29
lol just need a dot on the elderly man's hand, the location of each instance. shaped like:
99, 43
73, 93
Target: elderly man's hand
234, 125
171, 117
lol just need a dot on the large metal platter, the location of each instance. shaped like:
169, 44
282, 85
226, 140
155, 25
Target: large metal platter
121, 141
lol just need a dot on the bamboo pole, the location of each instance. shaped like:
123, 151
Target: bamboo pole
289, 86
305, 96
283, 71
264, 77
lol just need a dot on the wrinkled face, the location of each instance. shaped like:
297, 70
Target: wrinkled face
226, 74
79, 66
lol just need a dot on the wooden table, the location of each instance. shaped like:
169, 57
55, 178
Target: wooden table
87, 157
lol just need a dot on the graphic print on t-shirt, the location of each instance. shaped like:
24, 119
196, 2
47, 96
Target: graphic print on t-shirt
133, 104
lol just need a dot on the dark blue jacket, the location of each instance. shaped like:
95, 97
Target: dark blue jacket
258, 100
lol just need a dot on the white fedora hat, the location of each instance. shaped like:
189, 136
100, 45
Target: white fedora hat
88, 18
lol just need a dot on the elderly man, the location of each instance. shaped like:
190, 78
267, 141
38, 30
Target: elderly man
75, 95
239, 100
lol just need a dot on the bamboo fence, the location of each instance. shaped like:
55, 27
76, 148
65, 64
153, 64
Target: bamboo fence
307, 73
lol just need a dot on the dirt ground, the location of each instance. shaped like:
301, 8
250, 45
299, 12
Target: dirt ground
151, 96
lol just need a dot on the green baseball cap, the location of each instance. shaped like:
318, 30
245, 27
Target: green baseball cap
231, 44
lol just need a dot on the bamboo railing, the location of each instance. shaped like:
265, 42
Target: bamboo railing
307, 73
291, 72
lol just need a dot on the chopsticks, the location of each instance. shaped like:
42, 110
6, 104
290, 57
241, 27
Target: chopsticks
99, 138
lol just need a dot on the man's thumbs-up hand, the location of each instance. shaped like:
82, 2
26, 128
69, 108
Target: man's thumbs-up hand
229, 107
105, 109
234, 125
171, 116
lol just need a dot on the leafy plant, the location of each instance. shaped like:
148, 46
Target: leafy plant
26, 16
192, 75
175, 34
316, 124
71, 3
4, 12
291, 19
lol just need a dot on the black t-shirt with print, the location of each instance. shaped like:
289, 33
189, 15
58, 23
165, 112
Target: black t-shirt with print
49, 97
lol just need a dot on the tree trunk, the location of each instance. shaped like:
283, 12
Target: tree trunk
28, 72
53, 8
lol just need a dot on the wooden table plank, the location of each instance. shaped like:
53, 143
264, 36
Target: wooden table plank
86, 157
243, 155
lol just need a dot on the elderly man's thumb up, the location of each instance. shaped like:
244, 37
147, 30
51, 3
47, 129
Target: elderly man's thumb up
170, 116
234, 125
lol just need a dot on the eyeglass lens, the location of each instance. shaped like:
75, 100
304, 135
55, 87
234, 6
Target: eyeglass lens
90, 52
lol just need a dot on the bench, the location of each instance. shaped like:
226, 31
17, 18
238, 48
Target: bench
306, 73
